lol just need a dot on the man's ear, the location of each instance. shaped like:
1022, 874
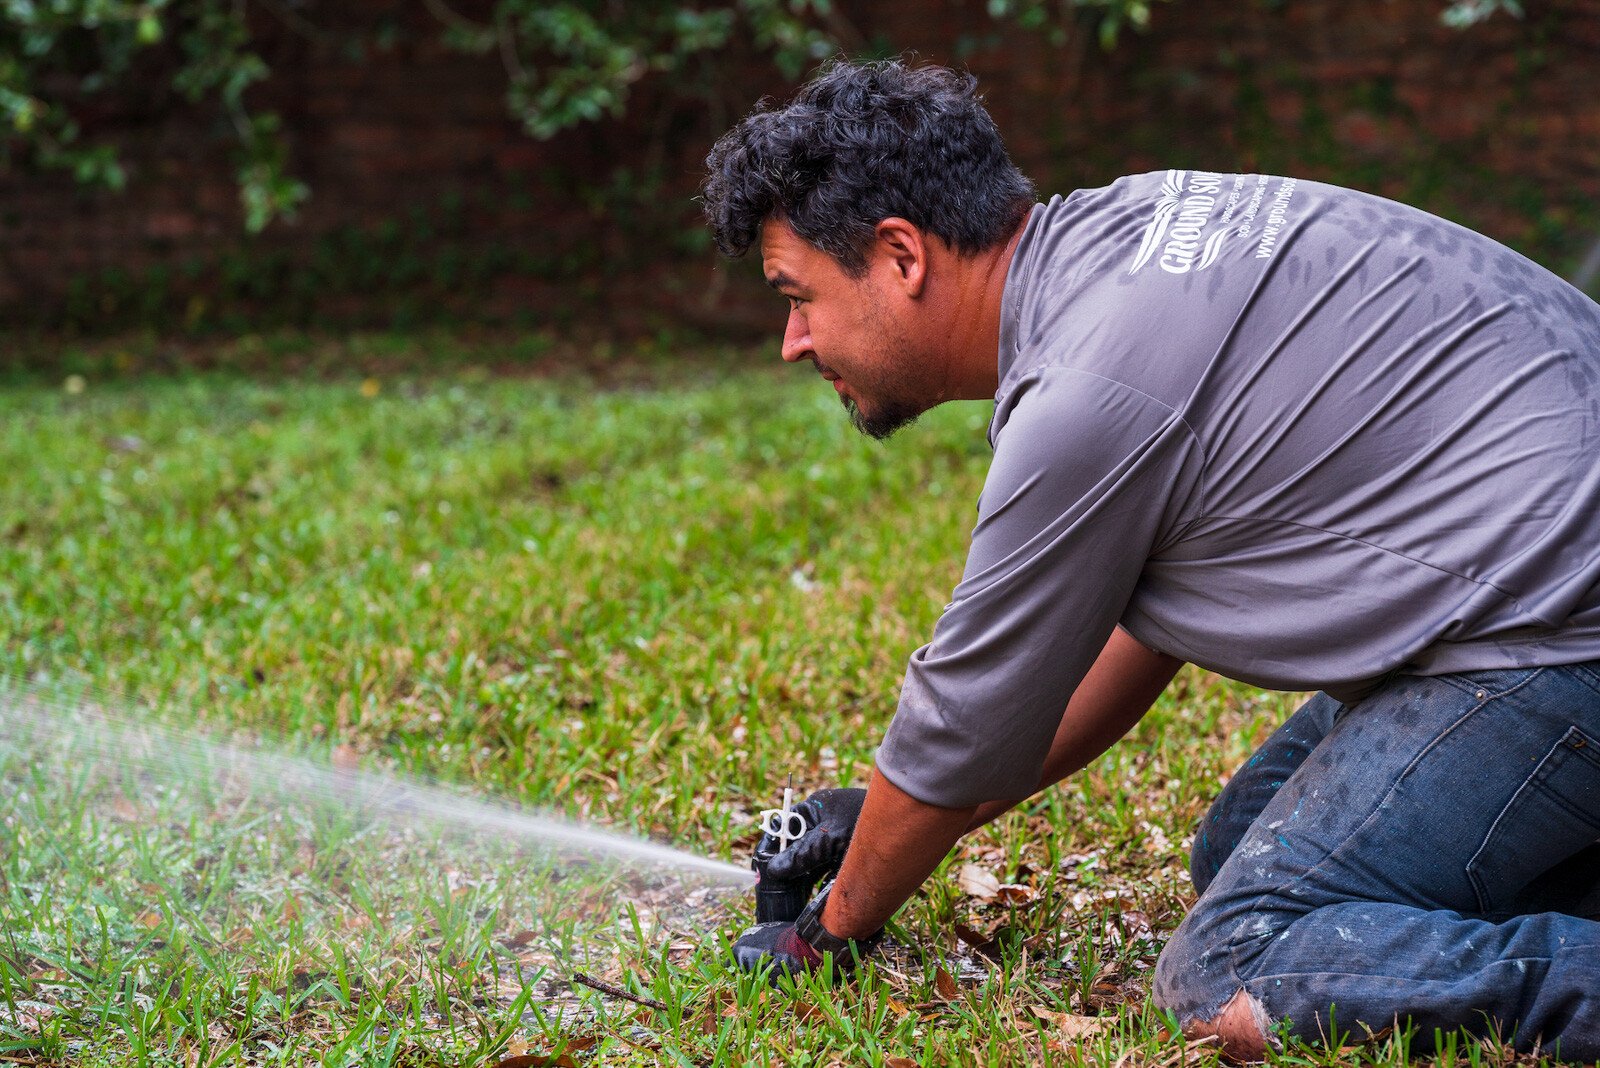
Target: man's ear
901, 246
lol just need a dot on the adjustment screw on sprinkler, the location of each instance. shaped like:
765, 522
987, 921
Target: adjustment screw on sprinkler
779, 899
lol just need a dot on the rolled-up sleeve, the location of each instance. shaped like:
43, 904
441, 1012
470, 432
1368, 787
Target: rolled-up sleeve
1088, 478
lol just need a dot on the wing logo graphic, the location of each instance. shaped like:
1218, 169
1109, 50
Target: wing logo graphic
1166, 207
1213, 249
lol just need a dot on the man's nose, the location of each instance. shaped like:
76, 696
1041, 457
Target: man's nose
796, 339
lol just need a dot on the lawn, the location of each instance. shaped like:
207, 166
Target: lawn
643, 590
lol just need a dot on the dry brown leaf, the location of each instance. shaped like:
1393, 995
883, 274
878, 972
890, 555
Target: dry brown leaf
1135, 925
538, 1060
946, 985
126, 810
1048, 1016
804, 1010
900, 1062
1013, 894
977, 882
978, 942
717, 1004
1072, 1025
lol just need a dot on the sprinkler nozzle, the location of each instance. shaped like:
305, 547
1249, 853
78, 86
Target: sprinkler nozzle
780, 899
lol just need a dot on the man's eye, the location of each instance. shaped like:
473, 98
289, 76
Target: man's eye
794, 303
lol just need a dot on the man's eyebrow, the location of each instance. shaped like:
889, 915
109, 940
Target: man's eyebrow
781, 280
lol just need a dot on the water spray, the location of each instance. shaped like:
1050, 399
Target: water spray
44, 720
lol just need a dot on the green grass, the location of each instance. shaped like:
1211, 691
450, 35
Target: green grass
645, 600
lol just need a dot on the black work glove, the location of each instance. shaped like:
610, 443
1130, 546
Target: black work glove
792, 952
778, 943
830, 817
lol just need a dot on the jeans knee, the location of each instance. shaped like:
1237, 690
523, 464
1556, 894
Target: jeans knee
1187, 980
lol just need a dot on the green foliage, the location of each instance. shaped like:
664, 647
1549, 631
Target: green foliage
1463, 13
57, 57
598, 57
566, 62
1106, 17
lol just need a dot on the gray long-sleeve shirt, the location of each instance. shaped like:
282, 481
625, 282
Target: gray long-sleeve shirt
1302, 436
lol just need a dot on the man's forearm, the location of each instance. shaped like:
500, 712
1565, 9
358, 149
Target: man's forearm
1121, 685
899, 840
897, 844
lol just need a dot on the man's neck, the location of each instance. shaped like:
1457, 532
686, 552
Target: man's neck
974, 319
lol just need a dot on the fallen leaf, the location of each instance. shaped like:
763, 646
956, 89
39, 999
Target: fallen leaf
1136, 925
125, 810
945, 984
978, 942
1014, 894
717, 1004
1072, 1025
900, 1062
804, 1010
1047, 1015
538, 1060
976, 882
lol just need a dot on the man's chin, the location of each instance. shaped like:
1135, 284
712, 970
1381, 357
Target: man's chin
883, 422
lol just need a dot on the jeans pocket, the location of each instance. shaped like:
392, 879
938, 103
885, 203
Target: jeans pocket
1555, 813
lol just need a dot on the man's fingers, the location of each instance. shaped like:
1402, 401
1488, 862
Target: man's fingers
809, 855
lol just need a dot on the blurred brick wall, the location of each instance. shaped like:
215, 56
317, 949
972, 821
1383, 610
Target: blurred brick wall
1497, 126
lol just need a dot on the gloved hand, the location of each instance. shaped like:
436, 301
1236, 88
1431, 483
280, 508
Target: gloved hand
830, 817
778, 943
801, 946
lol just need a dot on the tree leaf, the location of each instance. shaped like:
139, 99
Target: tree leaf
977, 882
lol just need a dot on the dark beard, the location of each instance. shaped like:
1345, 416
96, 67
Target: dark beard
881, 424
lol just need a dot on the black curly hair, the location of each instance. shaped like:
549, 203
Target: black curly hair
863, 142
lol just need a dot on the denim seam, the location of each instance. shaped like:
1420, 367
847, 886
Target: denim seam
1586, 675
1236, 943
1543, 768
1450, 679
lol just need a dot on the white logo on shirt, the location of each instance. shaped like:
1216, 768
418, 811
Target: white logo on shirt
1171, 192
1184, 209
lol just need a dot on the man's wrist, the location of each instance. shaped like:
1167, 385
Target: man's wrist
825, 931
833, 921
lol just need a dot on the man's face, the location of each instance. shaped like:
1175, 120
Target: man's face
852, 329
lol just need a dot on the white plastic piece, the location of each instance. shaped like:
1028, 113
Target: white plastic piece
780, 823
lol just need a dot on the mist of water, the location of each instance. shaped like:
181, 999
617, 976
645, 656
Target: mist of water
41, 722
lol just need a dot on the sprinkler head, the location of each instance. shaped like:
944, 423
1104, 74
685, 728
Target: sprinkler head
780, 899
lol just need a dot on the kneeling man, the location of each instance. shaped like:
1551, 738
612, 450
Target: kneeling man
1305, 437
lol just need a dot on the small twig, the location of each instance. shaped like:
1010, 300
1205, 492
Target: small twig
615, 991
508, 48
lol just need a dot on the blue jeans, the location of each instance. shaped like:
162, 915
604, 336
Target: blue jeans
1428, 854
